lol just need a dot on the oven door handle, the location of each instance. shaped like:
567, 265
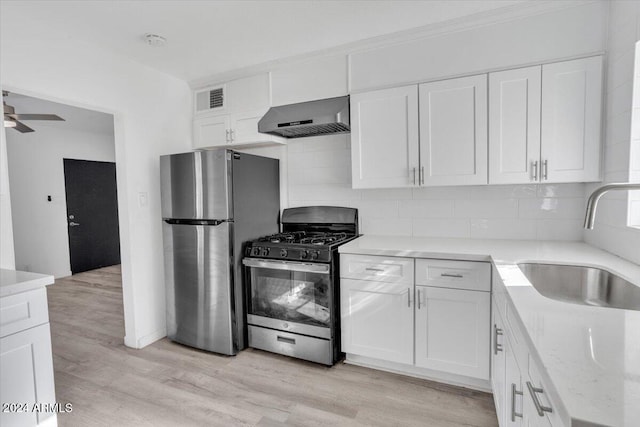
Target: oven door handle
287, 265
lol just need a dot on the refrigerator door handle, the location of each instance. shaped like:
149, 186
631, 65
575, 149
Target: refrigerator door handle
214, 222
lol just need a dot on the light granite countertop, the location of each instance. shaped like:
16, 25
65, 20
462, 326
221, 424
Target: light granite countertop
15, 281
591, 355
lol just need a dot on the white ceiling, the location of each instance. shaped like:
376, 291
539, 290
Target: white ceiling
78, 119
206, 38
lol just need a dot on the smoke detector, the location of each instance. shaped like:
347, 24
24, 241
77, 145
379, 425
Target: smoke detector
155, 40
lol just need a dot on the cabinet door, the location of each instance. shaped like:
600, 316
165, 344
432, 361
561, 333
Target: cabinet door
384, 138
452, 331
249, 93
498, 366
211, 131
514, 125
377, 320
244, 129
26, 369
514, 392
571, 114
453, 131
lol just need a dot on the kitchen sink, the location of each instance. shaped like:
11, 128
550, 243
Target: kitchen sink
582, 285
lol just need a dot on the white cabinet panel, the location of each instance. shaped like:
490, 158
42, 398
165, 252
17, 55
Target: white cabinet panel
249, 93
377, 268
26, 369
498, 372
514, 391
571, 113
23, 311
452, 331
471, 275
453, 131
384, 138
319, 78
377, 320
514, 125
211, 131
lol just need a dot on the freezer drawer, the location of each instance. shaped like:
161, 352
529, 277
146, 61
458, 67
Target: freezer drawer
199, 282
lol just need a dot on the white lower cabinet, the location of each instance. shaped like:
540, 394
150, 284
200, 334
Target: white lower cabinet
518, 391
452, 331
377, 320
437, 332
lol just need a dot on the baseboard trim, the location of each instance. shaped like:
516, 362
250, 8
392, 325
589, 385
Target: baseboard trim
427, 374
145, 340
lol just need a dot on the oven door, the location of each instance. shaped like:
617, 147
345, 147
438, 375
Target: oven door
290, 296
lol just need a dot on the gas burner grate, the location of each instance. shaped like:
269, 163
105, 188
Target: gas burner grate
291, 237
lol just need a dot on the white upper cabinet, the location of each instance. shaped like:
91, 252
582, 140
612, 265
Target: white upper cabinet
544, 123
453, 131
384, 138
227, 115
514, 125
571, 120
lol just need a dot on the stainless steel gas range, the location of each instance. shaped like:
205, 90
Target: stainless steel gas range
292, 283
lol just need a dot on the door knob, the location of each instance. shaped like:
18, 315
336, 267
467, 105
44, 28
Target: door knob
73, 224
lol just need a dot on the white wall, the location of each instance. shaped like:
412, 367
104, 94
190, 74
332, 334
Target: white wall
611, 232
36, 171
152, 113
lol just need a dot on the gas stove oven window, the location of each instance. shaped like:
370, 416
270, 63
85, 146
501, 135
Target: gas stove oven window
292, 284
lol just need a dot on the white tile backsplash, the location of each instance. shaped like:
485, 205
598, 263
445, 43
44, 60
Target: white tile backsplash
319, 173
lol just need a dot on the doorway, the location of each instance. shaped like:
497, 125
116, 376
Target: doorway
92, 214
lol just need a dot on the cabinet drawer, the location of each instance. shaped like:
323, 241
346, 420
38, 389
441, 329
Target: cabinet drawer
377, 268
23, 311
473, 276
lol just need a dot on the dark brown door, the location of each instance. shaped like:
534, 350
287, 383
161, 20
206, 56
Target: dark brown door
92, 214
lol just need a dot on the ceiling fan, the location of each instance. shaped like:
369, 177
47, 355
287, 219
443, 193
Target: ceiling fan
12, 120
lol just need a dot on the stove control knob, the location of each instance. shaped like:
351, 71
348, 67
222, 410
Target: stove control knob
283, 252
265, 251
304, 254
255, 251
314, 254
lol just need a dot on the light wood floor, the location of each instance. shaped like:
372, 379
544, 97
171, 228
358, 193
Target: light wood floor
166, 384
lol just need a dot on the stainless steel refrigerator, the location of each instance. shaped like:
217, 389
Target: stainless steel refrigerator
212, 203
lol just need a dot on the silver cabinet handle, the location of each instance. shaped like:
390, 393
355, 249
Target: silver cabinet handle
422, 175
545, 170
539, 407
457, 276
419, 298
535, 170
496, 333
231, 132
514, 393
414, 176
373, 269
227, 135
409, 297
73, 224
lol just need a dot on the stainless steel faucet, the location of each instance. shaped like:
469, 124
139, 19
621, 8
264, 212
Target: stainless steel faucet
592, 203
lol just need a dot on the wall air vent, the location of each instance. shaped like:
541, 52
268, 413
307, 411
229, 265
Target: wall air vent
210, 99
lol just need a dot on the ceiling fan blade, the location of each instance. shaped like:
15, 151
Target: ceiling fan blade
22, 128
36, 117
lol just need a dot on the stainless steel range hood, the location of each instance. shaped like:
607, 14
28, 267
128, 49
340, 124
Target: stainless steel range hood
321, 117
